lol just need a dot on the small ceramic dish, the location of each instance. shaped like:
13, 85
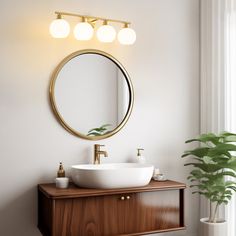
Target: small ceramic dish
159, 177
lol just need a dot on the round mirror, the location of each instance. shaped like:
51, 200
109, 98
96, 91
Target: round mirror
91, 94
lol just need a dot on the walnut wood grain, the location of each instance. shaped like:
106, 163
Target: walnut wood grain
108, 215
45, 214
73, 191
155, 208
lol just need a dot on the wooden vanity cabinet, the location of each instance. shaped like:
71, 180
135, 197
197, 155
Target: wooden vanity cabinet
158, 207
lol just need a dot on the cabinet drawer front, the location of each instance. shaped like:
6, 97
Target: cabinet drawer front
120, 214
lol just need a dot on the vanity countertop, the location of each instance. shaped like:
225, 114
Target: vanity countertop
73, 191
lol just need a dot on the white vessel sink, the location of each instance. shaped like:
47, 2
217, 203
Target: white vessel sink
107, 176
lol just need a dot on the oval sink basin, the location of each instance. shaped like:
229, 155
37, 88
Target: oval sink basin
107, 176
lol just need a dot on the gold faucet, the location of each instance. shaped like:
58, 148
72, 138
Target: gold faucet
97, 153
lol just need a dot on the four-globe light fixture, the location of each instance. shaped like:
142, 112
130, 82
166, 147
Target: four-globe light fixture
84, 30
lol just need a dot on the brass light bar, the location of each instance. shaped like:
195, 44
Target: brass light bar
84, 30
91, 18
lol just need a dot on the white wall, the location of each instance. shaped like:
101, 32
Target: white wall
164, 68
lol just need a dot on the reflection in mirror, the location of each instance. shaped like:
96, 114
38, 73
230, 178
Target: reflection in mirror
92, 94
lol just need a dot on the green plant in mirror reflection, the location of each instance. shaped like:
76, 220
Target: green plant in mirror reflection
102, 130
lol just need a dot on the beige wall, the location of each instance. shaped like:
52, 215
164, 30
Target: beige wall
164, 68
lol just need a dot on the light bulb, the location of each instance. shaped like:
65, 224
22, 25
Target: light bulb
83, 31
106, 33
127, 36
59, 28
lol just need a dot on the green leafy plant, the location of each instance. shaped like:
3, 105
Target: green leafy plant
212, 162
99, 131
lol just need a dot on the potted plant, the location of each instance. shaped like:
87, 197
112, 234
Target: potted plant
212, 161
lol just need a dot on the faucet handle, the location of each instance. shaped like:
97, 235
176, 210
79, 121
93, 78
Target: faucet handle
99, 145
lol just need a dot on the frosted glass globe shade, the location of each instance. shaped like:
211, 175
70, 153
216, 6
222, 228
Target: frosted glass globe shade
83, 31
59, 28
106, 33
127, 36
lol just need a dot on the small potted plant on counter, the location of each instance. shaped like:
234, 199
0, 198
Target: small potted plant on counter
212, 162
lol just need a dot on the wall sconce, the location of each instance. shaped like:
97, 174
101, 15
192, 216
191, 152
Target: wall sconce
84, 30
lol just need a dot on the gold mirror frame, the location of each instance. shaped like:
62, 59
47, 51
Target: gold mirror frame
53, 102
